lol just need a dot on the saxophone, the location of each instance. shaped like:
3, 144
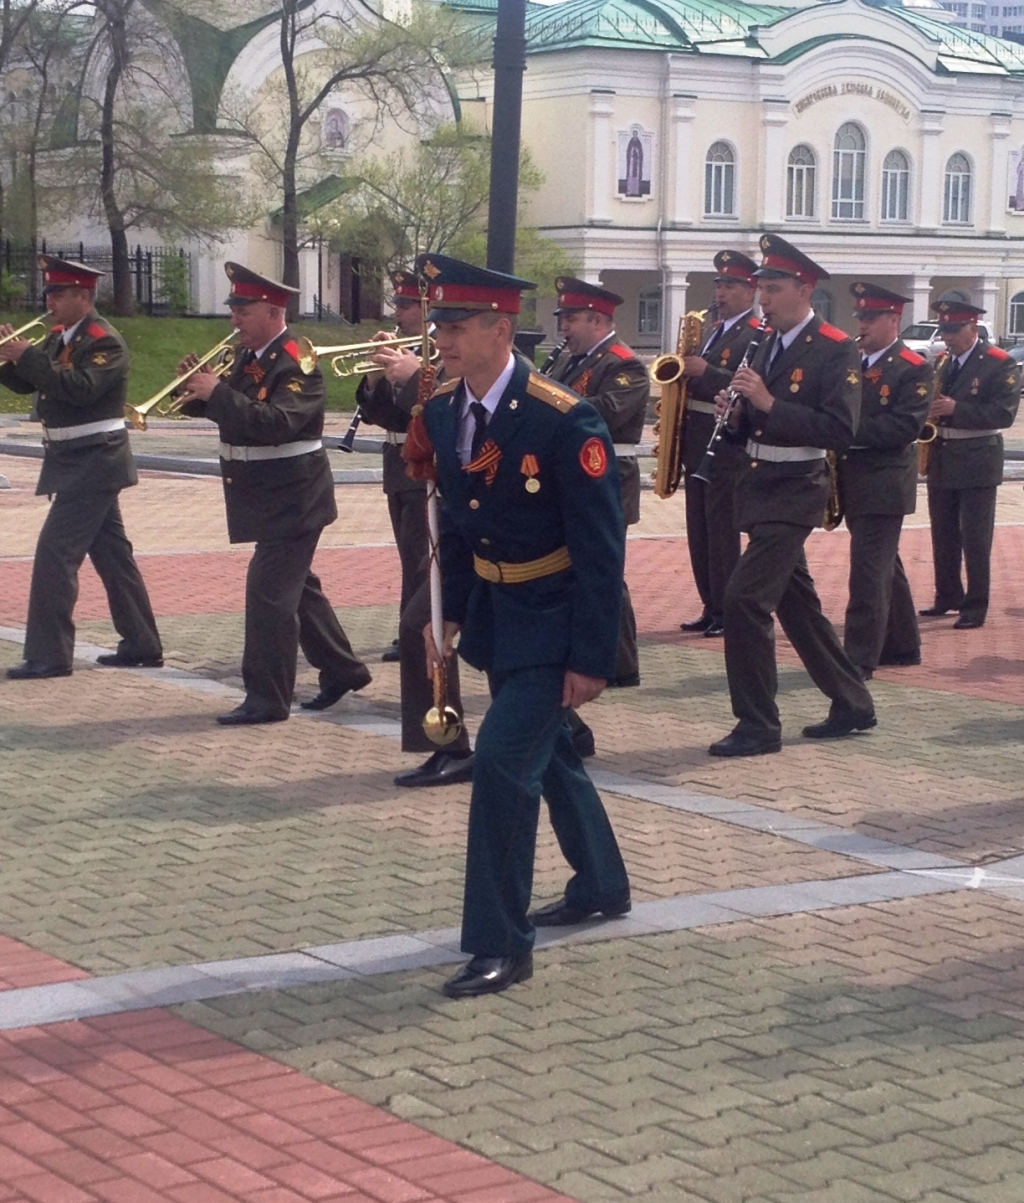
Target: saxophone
667, 371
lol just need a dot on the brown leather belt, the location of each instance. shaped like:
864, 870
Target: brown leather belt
498, 572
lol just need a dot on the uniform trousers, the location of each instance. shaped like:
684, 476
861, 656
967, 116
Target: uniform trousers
416, 688
963, 522
880, 617
627, 657
712, 535
524, 750
286, 609
772, 576
78, 525
408, 512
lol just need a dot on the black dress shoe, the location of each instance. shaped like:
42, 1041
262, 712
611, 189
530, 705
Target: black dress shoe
32, 670
628, 682
391, 656
118, 660
863, 672
900, 659
937, 611
714, 629
840, 723
583, 742
561, 914
330, 694
966, 623
442, 768
245, 716
489, 975
738, 743
698, 624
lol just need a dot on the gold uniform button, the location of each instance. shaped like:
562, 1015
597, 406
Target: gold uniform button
485, 542
758, 433
753, 463
474, 504
227, 480
42, 396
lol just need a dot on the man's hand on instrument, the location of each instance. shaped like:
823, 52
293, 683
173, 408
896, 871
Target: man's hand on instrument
451, 630
694, 367
399, 363
725, 405
578, 689
199, 385
750, 384
12, 351
941, 407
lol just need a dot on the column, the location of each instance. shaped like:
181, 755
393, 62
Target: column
673, 306
682, 174
987, 290
774, 119
602, 163
920, 291
999, 183
307, 279
930, 177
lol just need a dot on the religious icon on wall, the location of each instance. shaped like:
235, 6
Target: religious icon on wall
634, 162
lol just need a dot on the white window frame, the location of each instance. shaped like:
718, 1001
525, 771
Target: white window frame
802, 177
956, 190
849, 204
898, 178
720, 180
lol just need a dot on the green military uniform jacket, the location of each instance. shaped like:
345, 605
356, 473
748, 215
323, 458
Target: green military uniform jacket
722, 359
987, 393
85, 382
389, 407
268, 403
878, 473
816, 386
616, 383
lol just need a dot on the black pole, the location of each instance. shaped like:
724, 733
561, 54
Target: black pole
509, 65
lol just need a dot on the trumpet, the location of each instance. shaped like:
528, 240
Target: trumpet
348, 359
222, 356
20, 332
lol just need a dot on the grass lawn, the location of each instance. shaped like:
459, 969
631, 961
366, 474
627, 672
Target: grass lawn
158, 343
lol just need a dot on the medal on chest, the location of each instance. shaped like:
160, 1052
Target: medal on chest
529, 468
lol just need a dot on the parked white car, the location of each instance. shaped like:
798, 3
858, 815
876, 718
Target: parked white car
924, 338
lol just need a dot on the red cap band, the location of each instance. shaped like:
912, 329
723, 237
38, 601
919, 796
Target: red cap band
63, 278
779, 263
736, 271
956, 317
582, 300
408, 290
243, 291
474, 296
879, 304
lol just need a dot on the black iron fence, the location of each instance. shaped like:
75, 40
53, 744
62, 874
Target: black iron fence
161, 275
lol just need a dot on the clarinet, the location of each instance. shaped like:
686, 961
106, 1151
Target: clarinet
549, 363
707, 464
350, 434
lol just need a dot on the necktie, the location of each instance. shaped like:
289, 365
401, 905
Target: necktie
951, 375
480, 430
776, 352
864, 363
715, 335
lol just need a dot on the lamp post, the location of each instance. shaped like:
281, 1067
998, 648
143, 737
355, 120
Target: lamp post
509, 65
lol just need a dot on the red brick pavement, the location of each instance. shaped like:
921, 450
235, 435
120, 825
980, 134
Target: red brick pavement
22, 966
987, 663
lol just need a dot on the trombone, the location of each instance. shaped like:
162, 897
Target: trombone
348, 359
222, 356
20, 332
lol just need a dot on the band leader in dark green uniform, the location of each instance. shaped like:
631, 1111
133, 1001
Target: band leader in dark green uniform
597, 365
532, 553
977, 391
712, 536
799, 397
387, 399
279, 493
878, 484
79, 373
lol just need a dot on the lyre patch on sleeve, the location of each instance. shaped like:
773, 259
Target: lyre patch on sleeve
594, 458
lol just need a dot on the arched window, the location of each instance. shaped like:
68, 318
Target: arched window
719, 181
956, 192
821, 303
896, 187
848, 157
801, 182
1017, 314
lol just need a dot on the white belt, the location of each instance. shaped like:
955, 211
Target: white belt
948, 432
701, 407
778, 455
285, 451
394, 438
61, 434
625, 449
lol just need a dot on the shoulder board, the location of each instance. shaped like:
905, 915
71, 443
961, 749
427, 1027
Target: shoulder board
449, 386
833, 332
550, 393
912, 357
997, 353
291, 347
621, 350
95, 330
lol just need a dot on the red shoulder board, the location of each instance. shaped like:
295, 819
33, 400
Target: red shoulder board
833, 332
998, 353
912, 357
56, 329
754, 322
96, 331
621, 351
291, 347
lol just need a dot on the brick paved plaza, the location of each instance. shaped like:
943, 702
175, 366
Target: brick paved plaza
221, 950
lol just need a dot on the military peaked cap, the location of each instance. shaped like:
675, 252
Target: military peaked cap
247, 286
406, 285
67, 273
781, 258
869, 299
578, 294
734, 265
954, 312
459, 290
